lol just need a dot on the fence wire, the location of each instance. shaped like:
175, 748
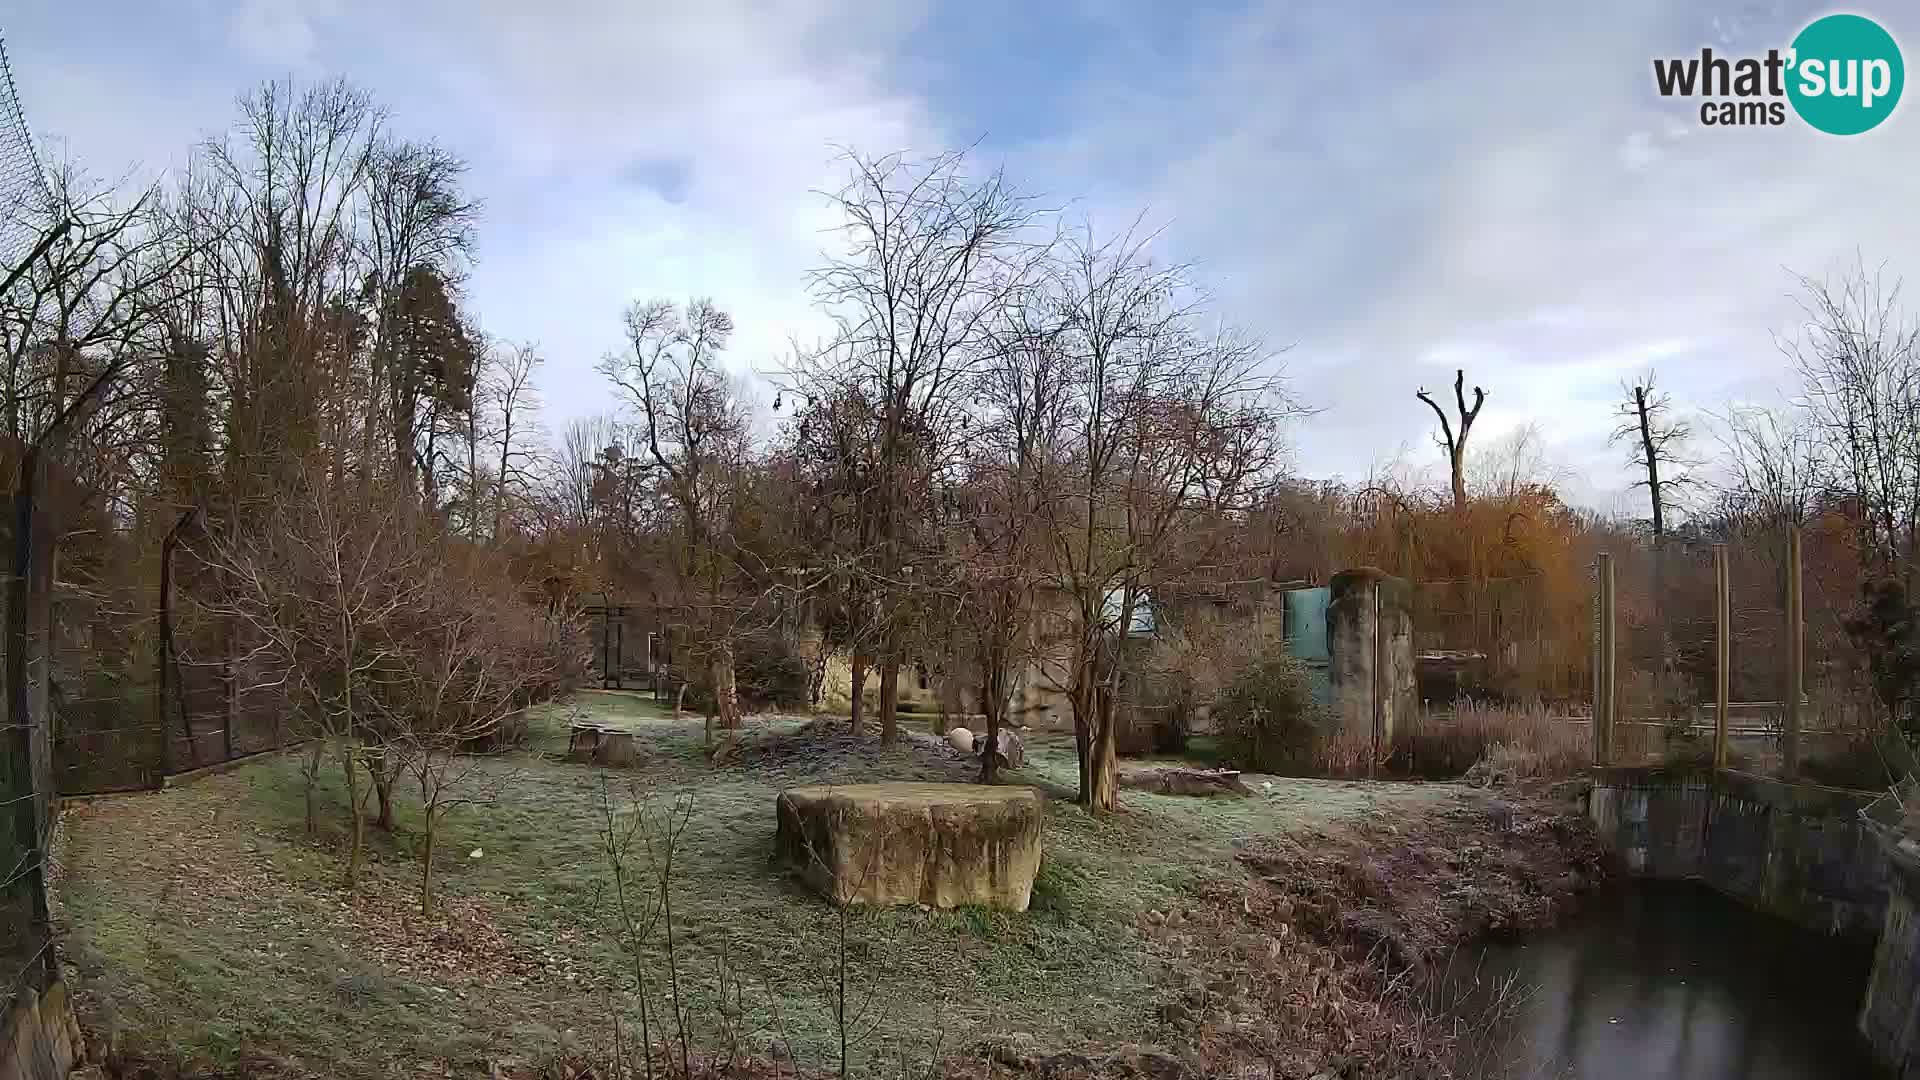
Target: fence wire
118, 724
1668, 659
24, 195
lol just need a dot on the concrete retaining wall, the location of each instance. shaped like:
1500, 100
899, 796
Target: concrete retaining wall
1890, 1016
1798, 851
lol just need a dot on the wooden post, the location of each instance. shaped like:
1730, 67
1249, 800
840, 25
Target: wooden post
1796, 658
1722, 653
1603, 667
1379, 705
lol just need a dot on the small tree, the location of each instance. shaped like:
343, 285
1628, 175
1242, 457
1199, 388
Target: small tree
482, 656
334, 591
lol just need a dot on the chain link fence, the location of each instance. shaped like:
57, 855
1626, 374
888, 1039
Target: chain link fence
1669, 654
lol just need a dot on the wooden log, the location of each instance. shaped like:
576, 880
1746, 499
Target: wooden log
617, 749
1181, 781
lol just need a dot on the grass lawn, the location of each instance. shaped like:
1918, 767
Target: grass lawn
208, 928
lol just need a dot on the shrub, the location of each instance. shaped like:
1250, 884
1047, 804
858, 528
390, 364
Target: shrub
767, 674
1267, 718
770, 673
1858, 765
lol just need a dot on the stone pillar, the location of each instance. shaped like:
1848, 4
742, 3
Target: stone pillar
1370, 642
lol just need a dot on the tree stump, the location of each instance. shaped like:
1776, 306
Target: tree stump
583, 742
617, 749
942, 845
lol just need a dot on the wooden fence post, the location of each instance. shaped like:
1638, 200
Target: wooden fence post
1796, 659
1722, 653
1604, 665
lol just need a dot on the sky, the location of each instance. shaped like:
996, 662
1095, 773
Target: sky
1382, 192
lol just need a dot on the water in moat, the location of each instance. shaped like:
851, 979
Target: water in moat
1672, 981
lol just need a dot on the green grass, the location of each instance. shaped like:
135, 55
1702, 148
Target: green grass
209, 926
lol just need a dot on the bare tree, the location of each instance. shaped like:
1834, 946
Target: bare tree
930, 257
696, 435
1162, 424
1455, 443
479, 654
1658, 447
282, 200
515, 405
334, 591
1657, 444
1773, 462
1858, 356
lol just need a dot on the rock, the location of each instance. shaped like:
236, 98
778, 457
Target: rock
943, 845
1159, 1065
1012, 749
961, 739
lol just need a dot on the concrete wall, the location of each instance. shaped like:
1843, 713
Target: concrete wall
1890, 1016
42, 1040
1798, 851
1351, 611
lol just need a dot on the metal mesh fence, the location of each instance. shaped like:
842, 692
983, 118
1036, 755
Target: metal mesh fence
23, 184
26, 938
118, 726
1669, 652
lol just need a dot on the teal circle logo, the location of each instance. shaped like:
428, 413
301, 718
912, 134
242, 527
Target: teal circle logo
1845, 74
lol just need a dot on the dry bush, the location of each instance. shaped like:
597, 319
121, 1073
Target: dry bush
1858, 764
1267, 718
1523, 736
1333, 955
1490, 743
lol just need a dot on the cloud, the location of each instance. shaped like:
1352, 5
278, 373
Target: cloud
1392, 193
1500, 190
279, 32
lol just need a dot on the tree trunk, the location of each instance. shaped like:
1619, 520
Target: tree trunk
726, 695
384, 771
949, 701
426, 864
890, 697
1082, 706
312, 776
1104, 774
359, 818
856, 711
992, 705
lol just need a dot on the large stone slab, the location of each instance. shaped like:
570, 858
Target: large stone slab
943, 845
